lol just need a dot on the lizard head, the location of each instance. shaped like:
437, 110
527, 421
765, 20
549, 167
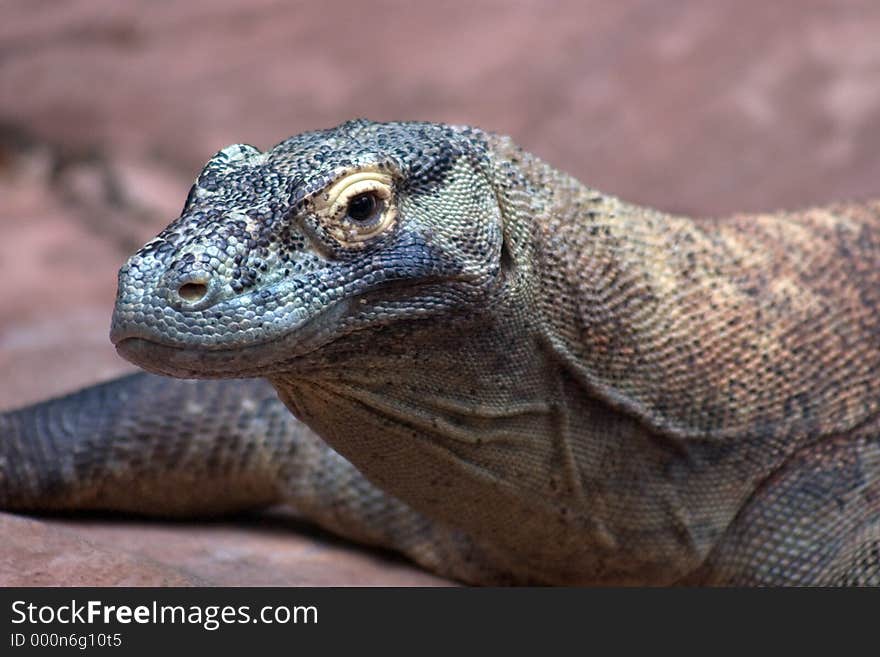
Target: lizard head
279, 253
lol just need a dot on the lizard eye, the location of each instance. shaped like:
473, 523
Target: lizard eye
363, 208
359, 207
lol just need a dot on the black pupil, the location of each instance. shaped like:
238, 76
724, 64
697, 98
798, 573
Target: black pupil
361, 207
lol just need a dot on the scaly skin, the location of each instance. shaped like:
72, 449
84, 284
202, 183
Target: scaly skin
515, 378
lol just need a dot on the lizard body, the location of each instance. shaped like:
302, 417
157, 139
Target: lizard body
504, 374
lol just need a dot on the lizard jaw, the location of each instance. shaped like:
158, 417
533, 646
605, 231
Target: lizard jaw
243, 361
184, 363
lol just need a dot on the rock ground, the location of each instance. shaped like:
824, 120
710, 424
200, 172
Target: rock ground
107, 111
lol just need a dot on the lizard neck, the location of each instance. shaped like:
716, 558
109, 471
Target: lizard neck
473, 421
709, 329
694, 355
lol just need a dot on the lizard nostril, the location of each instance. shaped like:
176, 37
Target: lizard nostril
192, 291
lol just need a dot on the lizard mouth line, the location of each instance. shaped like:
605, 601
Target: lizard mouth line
230, 360
258, 357
334, 312
195, 362
183, 361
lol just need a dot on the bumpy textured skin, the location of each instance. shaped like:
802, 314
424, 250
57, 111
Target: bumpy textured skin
515, 378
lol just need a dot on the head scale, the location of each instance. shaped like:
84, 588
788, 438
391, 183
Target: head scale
279, 252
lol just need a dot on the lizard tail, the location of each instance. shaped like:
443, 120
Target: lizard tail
146, 444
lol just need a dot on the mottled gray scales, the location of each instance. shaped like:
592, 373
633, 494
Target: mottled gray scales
504, 374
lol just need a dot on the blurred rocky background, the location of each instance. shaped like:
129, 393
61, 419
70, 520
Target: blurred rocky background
108, 109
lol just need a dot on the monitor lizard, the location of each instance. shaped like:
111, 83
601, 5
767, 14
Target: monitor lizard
483, 364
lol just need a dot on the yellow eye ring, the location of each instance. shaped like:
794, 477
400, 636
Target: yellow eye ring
368, 193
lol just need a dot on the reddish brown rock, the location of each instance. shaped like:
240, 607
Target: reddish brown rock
270, 549
34, 553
